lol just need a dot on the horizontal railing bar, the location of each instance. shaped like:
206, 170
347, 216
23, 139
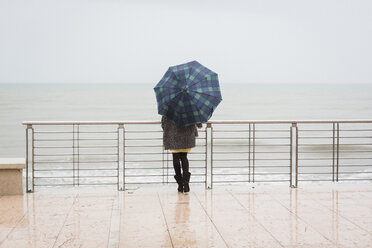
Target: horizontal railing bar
330, 151
85, 169
157, 153
97, 132
102, 161
70, 139
143, 131
330, 130
75, 147
75, 176
256, 166
353, 172
153, 146
103, 146
80, 161
144, 139
271, 138
245, 174
341, 165
71, 184
328, 158
245, 159
141, 161
51, 185
315, 173
257, 130
160, 182
158, 168
259, 181
245, 138
233, 152
59, 162
97, 154
352, 165
314, 180
144, 146
157, 175
211, 122
81, 154
248, 145
53, 147
35, 132
365, 144
50, 155
330, 137
354, 179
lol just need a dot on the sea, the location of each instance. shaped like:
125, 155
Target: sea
250, 102
126, 102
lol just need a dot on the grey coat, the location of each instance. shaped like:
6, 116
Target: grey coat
178, 138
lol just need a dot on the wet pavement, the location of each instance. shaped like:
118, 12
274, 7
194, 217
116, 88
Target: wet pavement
314, 215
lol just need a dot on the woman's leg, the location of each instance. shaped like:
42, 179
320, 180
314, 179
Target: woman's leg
177, 170
176, 163
186, 173
185, 162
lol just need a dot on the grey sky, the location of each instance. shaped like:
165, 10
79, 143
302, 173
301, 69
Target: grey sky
274, 41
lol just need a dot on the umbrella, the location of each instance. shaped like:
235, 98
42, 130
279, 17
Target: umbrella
188, 94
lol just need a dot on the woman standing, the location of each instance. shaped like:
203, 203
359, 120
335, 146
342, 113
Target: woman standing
179, 141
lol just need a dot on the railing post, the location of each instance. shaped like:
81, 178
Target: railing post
293, 182
209, 156
28, 128
78, 154
254, 150
120, 126
33, 160
249, 153
335, 150
73, 154
338, 148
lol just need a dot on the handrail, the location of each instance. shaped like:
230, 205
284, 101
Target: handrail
130, 152
211, 122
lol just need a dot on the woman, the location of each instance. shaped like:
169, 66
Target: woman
179, 141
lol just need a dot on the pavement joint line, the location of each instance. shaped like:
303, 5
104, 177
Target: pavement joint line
241, 204
115, 203
210, 219
341, 215
16, 224
165, 220
64, 222
299, 217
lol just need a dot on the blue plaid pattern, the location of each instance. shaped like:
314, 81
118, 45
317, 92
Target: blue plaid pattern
188, 94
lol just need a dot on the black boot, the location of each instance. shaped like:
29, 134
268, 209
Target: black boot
186, 180
179, 182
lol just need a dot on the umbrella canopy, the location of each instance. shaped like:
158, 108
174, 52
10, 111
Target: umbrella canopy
188, 94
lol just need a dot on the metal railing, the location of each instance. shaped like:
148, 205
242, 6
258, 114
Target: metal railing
130, 153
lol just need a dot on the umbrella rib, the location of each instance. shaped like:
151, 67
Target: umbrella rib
204, 93
171, 99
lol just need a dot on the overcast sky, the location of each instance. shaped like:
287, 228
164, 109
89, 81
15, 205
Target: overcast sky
134, 41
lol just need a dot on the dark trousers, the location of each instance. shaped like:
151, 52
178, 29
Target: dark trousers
180, 158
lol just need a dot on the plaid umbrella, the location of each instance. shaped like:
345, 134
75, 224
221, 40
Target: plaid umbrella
188, 94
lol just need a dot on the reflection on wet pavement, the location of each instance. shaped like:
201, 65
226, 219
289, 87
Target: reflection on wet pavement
314, 215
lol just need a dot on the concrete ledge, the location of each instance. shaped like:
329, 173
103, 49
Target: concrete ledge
11, 176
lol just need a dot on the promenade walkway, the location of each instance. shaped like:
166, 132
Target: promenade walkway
324, 215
